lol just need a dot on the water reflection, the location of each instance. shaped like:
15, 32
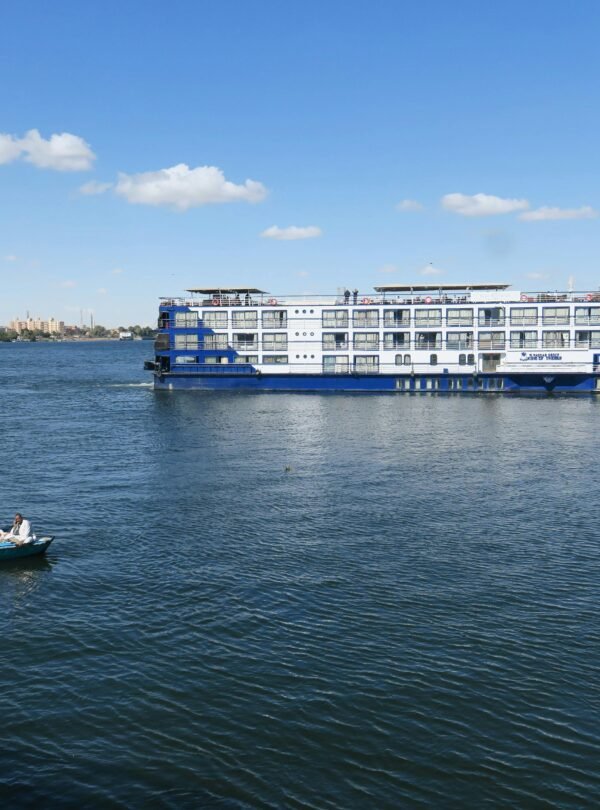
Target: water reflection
20, 578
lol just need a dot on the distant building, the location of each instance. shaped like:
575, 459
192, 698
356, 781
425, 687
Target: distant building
50, 326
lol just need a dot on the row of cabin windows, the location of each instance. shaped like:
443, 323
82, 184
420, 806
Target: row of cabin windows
243, 340
489, 316
240, 359
215, 319
456, 341
332, 364
340, 364
370, 341
450, 384
428, 317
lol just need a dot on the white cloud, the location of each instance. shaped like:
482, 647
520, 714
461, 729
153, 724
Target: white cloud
291, 232
547, 212
101, 290
430, 270
94, 187
536, 276
68, 284
303, 274
388, 268
10, 258
409, 205
64, 152
116, 271
481, 205
10, 148
182, 188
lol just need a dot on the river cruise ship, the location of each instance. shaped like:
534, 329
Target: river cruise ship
427, 338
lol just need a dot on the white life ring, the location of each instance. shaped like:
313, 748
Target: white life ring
216, 302
272, 302
524, 297
429, 300
365, 301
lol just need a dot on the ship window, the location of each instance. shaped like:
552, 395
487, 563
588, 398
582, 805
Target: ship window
216, 361
470, 359
555, 340
161, 344
523, 340
186, 319
523, 316
213, 319
185, 359
366, 364
246, 358
335, 318
365, 317
274, 319
491, 316
433, 358
462, 359
275, 359
335, 341
459, 340
215, 341
244, 319
587, 315
163, 320
335, 364
555, 315
396, 340
428, 317
459, 317
275, 343
366, 341
407, 360
396, 317
587, 340
245, 340
428, 340
186, 341
491, 340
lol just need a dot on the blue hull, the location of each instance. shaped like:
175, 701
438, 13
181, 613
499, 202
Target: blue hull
9, 551
363, 383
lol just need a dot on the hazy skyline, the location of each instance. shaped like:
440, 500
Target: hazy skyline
297, 147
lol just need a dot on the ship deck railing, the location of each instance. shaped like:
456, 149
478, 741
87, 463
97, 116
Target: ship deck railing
370, 299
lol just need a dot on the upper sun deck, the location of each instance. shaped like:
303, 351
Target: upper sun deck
385, 294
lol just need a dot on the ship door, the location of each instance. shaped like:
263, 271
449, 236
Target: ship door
597, 362
490, 362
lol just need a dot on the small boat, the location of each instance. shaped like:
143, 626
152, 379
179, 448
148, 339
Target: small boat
14, 551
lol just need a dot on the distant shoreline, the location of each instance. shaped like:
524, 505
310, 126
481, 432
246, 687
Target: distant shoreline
79, 340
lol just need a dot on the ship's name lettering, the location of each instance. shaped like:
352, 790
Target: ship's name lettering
527, 356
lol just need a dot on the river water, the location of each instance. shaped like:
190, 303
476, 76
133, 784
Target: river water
299, 601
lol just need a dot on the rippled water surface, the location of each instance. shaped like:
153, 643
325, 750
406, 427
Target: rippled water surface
301, 601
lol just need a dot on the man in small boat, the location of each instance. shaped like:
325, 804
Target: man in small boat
20, 531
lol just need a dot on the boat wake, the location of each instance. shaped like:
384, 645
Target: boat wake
131, 385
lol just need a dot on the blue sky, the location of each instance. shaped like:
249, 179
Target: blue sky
400, 141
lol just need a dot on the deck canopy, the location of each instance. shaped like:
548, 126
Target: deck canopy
226, 291
409, 288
